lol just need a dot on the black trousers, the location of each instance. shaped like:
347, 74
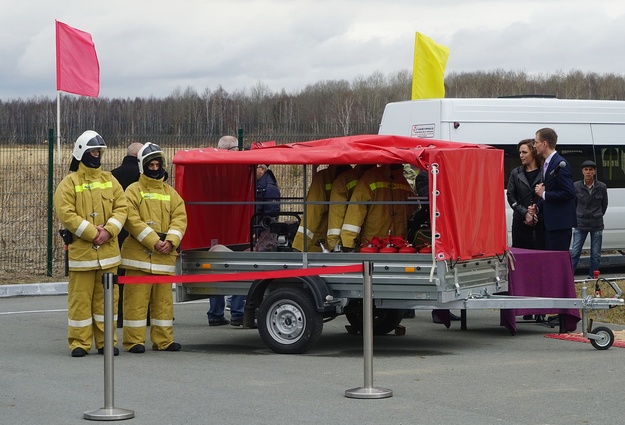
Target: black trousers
558, 240
528, 237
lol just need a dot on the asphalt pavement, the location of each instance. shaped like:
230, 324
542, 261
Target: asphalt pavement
226, 375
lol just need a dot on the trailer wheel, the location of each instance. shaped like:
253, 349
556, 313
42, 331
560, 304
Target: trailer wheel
288, 321
606, 338
384, 320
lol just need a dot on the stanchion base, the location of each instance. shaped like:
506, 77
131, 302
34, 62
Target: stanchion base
369, 392
112, 414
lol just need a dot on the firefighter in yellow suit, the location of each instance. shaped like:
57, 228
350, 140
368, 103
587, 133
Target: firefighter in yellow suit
156, 223
316, 214
342, 188
380, 184
89, 203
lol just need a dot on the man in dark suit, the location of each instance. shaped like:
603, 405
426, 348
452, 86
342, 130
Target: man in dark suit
557, 193
126, 174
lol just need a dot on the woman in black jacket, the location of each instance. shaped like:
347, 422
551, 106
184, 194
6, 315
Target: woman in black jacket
527, 229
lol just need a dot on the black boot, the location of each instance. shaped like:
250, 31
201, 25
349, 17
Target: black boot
79, 352
137, 349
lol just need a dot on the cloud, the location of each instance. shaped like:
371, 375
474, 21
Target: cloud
153, 47
543, 45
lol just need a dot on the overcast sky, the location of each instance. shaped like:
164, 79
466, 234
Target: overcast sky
151, 47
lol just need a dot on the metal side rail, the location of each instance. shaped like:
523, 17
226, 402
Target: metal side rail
586, 302
600, 337
518, 302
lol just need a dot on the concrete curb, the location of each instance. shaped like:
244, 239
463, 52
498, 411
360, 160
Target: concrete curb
48, 288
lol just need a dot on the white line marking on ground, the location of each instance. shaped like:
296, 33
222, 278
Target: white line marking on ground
6, 313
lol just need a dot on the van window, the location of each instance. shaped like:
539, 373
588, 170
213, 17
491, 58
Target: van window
610, 166
575, 155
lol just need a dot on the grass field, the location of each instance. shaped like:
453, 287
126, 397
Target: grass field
613, 315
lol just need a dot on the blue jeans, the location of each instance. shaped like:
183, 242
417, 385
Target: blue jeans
579, 237
218, 304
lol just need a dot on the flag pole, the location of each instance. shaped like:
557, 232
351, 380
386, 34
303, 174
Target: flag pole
58, 125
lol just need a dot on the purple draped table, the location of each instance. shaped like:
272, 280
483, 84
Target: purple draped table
546, 274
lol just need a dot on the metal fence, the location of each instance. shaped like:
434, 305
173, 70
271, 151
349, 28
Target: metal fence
25, 194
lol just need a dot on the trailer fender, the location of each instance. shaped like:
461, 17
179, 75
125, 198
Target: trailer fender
314, 284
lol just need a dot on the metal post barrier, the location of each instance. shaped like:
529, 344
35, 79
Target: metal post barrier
108, 412
368, 391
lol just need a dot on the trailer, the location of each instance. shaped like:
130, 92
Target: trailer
466, 267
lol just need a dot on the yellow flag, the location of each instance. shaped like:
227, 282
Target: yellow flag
430, 60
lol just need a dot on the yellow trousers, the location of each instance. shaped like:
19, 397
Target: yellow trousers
85, 309
136, 300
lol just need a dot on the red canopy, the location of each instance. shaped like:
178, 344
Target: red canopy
471, 202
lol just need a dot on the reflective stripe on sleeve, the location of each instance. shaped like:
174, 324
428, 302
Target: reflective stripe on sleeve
351, 184
351, 228
334, 232
81, 228
309, 234
116, 223
379, 185
389, 185
174, 232
143, 234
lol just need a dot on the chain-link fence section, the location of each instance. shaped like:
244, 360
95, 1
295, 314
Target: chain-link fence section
25, 193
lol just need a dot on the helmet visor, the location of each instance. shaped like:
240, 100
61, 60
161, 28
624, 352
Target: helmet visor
96, 142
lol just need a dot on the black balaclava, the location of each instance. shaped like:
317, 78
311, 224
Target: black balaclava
154, 174
90, 160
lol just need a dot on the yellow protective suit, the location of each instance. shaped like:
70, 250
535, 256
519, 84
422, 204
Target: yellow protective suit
84, 199
316, 215
153, 206
342, 189
380, 184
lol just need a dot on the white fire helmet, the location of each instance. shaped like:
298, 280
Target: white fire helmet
87, 141
147, 153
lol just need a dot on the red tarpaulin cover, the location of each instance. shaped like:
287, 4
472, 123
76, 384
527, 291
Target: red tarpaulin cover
208, 225
471, 202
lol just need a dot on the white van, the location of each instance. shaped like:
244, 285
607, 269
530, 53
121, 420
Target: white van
587, 129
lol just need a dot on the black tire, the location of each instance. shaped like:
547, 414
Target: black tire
607, 338
288, 321
384, 320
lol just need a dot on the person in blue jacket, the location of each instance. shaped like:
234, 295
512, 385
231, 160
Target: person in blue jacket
557, 194
267, 191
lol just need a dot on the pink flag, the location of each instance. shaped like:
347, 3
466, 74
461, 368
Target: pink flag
77, 67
